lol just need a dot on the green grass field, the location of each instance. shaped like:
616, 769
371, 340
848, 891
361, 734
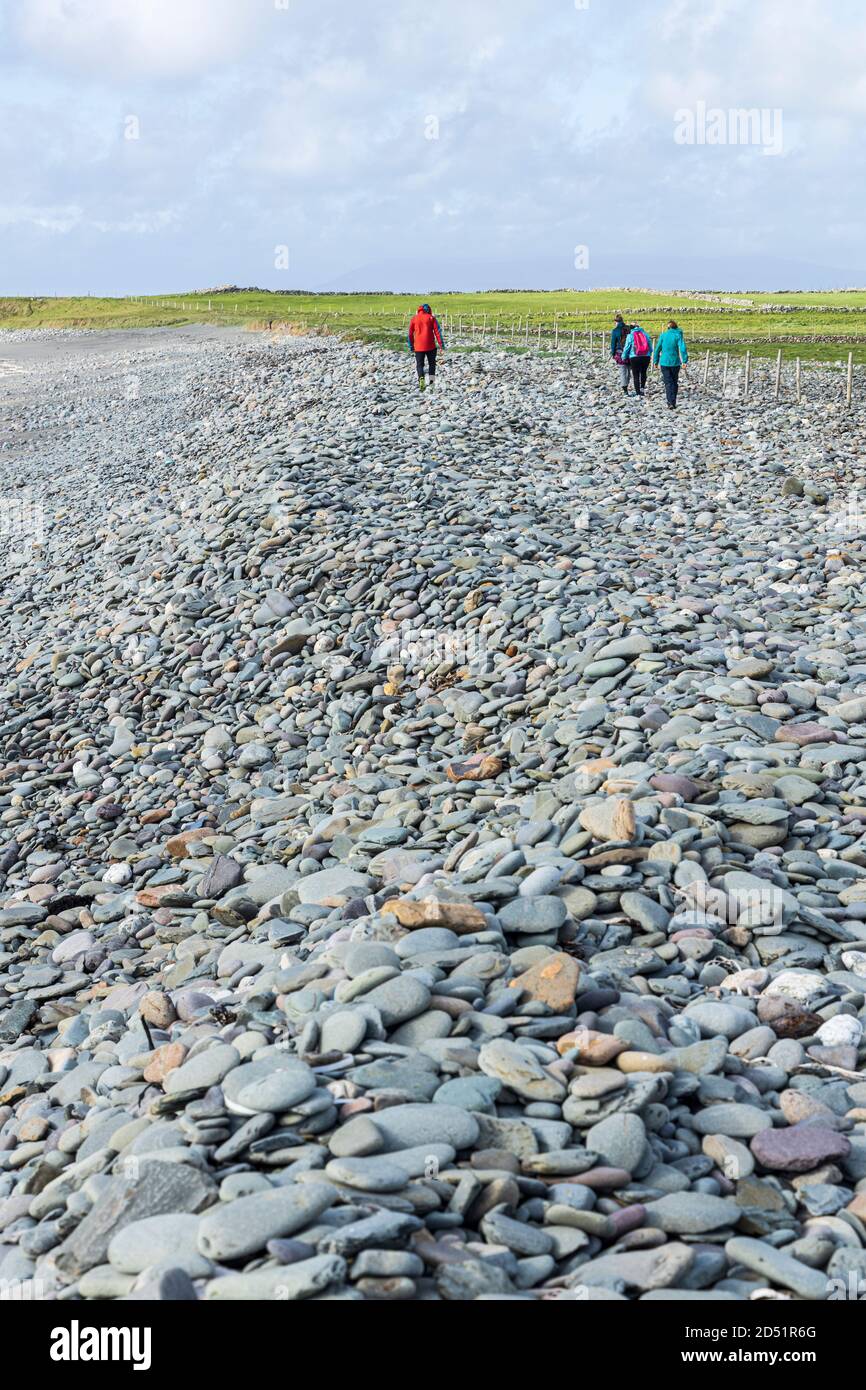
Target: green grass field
717, 321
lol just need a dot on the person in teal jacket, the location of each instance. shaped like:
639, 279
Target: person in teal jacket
637, 353
671, 353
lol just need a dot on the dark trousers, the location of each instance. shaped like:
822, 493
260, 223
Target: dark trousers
639, 368
431, 362
671, 378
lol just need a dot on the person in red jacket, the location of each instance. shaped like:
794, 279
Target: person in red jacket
425, 336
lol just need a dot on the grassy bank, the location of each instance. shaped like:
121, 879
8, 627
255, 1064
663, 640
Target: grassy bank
794, 322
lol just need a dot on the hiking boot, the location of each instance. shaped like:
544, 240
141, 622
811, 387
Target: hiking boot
422, 385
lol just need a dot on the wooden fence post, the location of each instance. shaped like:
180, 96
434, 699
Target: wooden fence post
725, 376
778, 385
590, 342
556, 336
747, 371
573, 339
797, 380
706, 367
849, 385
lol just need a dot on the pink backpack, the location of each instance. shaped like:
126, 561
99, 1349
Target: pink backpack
640, 343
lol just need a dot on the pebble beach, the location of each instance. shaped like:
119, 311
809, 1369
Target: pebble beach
432, 828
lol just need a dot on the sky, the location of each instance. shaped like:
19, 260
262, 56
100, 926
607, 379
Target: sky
170, 145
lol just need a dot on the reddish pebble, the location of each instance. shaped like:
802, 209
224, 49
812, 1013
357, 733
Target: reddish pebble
603, 1177
355, 1107
165, 1060
678, 786
628, 1219
799, 1148
805, 733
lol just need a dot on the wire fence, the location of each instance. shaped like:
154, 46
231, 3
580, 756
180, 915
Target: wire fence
741, 376
732, 374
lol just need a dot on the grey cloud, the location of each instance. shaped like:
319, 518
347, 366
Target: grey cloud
309, 127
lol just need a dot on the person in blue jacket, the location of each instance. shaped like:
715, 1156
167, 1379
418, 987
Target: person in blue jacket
670, 354
638, 353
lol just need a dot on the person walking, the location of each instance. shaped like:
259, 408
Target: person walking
638, 353
425, 336
670, 354
617, 343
